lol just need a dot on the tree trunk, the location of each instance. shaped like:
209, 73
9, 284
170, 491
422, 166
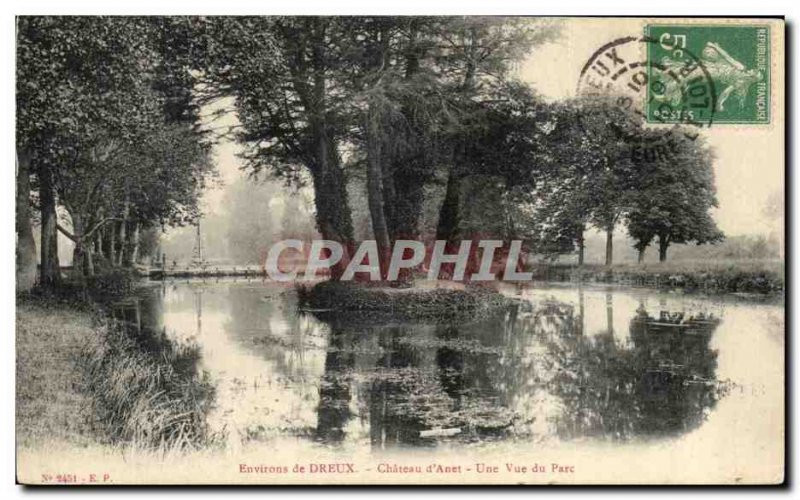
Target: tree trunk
121, 239
134, 243
111, 241
50, 269
449, 225
82, 261
663, 244
77, 239
330, 199
334, 221
581, 246
450, 212
98, 243
411, 169
390, 201
124, 253
509, 228
609, 246
26, 246
375, 188
408, 179
640, 257
88, 263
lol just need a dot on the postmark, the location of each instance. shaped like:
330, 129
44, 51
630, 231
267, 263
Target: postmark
621, 74
736, 58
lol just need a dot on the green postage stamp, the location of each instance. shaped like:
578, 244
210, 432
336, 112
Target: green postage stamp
735, 58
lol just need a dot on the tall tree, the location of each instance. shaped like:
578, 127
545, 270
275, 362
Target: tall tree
284, 75
424, 111
609, 132
402, 107
674, 196
74, 77
91, 93
476, 57
588, 172
373, 77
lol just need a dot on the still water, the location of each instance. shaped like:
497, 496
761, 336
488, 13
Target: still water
566, 364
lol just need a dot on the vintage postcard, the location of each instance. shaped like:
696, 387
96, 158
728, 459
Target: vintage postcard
400, 250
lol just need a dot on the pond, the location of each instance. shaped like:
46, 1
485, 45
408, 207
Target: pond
566, 364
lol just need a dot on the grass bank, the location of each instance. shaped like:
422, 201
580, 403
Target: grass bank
84, 379
732, 276
51, 403
147, 392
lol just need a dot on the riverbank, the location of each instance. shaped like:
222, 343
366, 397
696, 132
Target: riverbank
751, 277
83, 379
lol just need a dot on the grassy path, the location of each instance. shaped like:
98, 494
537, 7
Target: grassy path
51, 406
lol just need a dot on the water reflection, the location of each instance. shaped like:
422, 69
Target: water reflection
334, 391
544, 369
661, 382
148, 389
459, 381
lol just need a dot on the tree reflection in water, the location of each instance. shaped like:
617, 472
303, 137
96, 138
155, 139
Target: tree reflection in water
536, 371
416, 384
334, 390
661, 382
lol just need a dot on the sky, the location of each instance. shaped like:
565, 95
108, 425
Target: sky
749, 164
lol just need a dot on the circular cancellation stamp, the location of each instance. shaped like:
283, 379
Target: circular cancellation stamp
676, 91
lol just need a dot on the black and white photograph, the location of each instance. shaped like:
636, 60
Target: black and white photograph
399, 250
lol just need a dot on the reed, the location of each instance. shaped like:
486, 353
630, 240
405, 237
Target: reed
145, 397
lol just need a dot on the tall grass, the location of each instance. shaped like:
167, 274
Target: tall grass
149, 398
82, 376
